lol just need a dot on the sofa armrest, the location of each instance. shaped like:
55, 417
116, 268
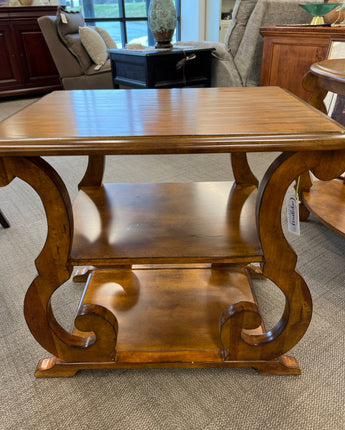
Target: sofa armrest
223, 69
65, 62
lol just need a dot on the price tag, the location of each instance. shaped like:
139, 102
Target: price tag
292, 206
64, 18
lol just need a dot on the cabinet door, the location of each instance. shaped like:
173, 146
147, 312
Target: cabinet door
9, 70
287, 59
34, 57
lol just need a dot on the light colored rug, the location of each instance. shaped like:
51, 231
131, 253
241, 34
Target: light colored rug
169, 399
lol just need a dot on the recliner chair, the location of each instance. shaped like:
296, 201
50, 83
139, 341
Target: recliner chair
75, 74
237, 62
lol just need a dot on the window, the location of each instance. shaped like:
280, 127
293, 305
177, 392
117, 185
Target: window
125, 20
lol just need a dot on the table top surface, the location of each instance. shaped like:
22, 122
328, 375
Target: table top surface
331, 69
185, 120
152, 51
302, 29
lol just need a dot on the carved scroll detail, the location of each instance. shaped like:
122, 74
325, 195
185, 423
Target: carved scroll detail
233, 322
53, 270
310, 83
279, 264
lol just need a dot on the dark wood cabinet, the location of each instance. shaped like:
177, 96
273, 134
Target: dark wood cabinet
26, 64
290, 51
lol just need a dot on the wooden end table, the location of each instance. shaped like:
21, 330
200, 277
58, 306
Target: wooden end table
325, 199
168, 265
156, 68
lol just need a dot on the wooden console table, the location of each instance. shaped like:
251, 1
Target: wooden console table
289, 51
168, 265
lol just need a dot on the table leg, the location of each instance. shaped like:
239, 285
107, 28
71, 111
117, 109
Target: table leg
304, 185
241, 170
100, 325
94, 172
311, 83
93, 177
279, 264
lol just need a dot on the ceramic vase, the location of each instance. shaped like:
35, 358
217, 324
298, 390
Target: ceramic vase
162, 22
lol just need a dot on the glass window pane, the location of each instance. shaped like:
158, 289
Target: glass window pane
112, 27
137, 32
99, 8
135, 8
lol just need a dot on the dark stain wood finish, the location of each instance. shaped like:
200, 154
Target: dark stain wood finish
26, 64
157, 68
168, 264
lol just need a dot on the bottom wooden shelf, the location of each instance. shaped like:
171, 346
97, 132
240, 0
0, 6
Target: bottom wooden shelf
326, 200
168, 317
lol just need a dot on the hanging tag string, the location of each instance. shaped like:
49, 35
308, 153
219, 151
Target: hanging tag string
182, 64
297, 187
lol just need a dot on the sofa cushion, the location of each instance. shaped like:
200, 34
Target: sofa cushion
75, 46
67, 24
108, 40
94, 45
105, 68
68, 21
241, 13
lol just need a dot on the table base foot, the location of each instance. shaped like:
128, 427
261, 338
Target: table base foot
55, 368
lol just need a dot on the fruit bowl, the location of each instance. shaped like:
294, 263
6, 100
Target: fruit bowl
318, 10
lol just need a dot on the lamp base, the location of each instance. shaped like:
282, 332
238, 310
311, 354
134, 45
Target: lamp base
163, 45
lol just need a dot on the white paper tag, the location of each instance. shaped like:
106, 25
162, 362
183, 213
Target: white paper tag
292, 206
64, 18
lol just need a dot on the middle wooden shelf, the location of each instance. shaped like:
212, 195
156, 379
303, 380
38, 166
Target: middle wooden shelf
152, 223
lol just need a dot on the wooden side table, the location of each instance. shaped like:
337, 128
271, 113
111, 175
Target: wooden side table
170, 283
289, 51
325, 199
159, 68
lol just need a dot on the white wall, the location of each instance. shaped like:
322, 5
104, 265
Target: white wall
200, 20
212, 25
193, 20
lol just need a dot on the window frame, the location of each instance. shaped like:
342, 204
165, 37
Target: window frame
123, 20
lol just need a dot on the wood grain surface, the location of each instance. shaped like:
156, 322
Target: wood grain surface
186, 120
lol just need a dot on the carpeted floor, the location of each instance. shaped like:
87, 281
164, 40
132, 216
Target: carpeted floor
168, 399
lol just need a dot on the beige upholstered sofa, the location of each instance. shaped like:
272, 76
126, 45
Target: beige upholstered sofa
237, 62
75, 66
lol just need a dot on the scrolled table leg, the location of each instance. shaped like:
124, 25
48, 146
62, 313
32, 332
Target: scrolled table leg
98, 324
242, 172
93, 175
311, 83
279, 262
